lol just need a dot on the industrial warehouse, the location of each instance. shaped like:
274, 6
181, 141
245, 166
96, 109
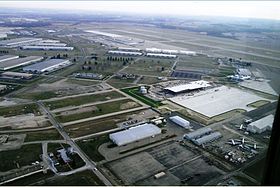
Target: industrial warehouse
7, 57
180, 121
135, 133
203, 136
47, 66
18, 42
42, 47
125, 53
9, 64
16, 75
194, 85
159, 55
261, 125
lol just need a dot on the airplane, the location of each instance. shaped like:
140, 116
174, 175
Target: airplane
232, 142
255, 146
241, 127
243, 141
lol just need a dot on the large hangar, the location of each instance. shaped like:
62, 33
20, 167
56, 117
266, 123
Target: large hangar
261, 125
135, 133
47, 66
9, 64
7, 57
194, 85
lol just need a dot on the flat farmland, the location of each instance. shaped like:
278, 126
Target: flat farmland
96, 110
76, 101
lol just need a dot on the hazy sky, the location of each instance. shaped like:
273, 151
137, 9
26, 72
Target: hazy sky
250, 9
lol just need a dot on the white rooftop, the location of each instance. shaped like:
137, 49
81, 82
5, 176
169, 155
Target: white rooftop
263, 122
189, 86
134, 133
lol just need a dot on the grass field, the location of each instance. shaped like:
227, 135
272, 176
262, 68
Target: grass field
256, 170
134, 92
38, 95
43, 135
23, 156
90, 147
98, 125
101, 109
258, 104
84, 178
19, 110
76, 101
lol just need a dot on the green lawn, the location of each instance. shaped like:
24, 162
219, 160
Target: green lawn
102, 109
23, 156
76, 101
43, 135
19, 110
90, 147
134, 92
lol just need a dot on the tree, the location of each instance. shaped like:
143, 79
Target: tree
162, 68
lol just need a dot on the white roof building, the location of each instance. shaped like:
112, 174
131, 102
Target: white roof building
187, 52
207, 138
134, 133
130, 53
160, 55
47, 65
9, 64
2, 87
261, 125
37, 47
197, 133
7, 57
180, 121
189, 86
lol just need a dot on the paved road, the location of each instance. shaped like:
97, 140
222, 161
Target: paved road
89, 163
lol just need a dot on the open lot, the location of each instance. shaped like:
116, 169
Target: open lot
218, 100
19, 109
80, 100
19, 157
96, 110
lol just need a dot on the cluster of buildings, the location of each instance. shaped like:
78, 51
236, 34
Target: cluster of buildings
241, 75
203, 136
27, 43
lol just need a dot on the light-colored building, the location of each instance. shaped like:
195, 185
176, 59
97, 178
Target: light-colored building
9, 64
19, 42
7, 57
129, 53
159, 55
180, 121
197, 133
143, 90
134, 134
194, 85
129, 49
261, 125
37, 47
16, 75
207, 138
3, 87
47, 66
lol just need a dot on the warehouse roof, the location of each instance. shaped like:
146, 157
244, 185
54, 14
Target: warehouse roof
189, 86
7, 57
17, 41
125, 52
19, 62
263, 122
207, 138
134, 133
198, 133
180, 121
45, 64
47, 47
16, 74
161, 55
